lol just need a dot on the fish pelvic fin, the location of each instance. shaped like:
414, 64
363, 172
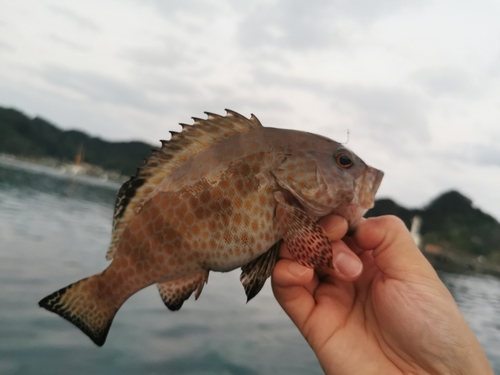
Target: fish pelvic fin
80, 304
174, 293
254, 274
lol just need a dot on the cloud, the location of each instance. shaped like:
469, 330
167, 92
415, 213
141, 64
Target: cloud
98, 88
494, 68
263, 76
487, 155
304, 25
171, 53
439, 81
79, 20
287, 24
392, 116
173, 87
68, 43
474, 153
6, 47
174, 9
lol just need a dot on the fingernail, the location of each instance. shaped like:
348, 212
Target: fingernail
347, 264
297, 269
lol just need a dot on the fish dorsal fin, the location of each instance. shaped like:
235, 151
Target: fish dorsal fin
163, 162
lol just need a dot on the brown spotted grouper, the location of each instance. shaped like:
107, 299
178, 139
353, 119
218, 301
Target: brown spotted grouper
222, 194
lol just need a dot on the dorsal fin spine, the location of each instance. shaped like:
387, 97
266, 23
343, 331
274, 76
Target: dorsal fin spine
231, 113
212, 116
255, 119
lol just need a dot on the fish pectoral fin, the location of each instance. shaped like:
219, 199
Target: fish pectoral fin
304, 238
254, 274
174, 293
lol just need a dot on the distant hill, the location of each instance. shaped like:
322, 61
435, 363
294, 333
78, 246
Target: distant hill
37, 138
449, 221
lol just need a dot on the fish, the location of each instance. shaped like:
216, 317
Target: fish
224, 193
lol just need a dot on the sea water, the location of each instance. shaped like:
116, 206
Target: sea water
55, 229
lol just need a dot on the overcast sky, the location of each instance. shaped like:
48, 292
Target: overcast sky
415, 83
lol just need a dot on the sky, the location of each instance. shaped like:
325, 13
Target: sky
413, 87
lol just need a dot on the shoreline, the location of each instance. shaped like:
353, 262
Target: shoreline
64, 168
449, 261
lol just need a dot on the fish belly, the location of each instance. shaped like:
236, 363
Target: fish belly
233, 239
205, 227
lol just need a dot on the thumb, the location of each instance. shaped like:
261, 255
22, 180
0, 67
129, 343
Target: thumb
394, 250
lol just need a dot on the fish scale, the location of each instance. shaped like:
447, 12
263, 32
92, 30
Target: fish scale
222, 194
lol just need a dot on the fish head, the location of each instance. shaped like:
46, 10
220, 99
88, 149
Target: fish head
329, 178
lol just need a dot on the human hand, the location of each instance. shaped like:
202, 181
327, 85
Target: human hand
382, 309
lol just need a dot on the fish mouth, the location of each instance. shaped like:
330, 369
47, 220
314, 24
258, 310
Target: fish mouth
376, 183
368, 186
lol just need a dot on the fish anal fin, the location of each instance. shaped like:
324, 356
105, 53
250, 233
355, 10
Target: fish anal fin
254, 274
174, 293
304, 238
80, 304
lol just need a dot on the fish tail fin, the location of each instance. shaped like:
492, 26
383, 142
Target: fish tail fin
81, 304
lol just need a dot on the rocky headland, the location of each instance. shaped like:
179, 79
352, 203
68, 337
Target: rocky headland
453, 234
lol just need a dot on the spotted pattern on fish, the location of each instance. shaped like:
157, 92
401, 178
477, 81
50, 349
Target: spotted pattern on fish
305, 240
222, 194
193, 139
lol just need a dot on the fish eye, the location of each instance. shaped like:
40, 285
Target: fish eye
344, 160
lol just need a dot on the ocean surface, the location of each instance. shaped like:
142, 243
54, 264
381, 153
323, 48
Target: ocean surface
55, 229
